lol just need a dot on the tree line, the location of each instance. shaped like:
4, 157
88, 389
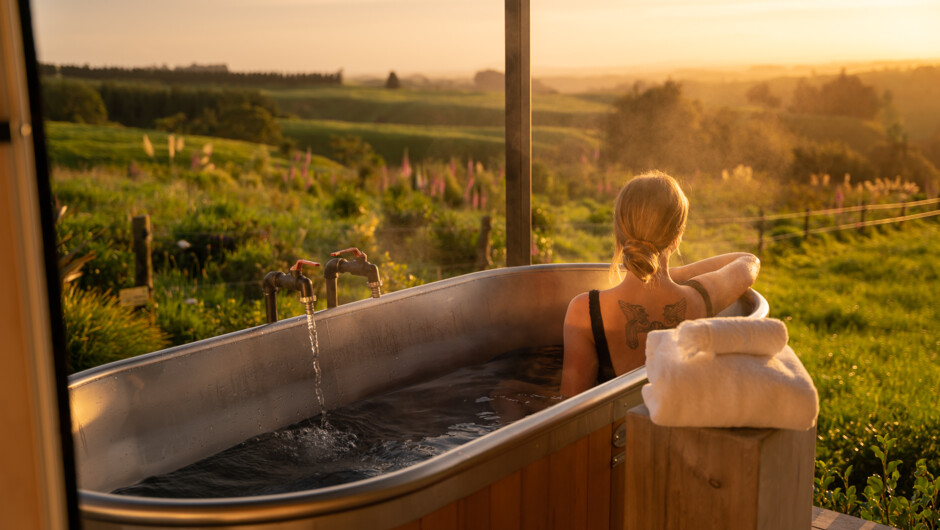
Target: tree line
240, 114
657, 127
190, 75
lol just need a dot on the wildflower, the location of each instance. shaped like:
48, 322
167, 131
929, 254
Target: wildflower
148, 147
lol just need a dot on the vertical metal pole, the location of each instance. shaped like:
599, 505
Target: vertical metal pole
518, 135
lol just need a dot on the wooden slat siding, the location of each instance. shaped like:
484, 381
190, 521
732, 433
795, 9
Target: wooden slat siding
617, 486
506, 503
636, 493
443, 519
709, 478
567, 495
473, 511
534, 494
599, 488
413, 525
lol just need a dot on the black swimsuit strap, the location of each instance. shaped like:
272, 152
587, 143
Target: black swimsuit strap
701, 290
605, 368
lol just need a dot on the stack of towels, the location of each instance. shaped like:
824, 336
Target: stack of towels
727, 372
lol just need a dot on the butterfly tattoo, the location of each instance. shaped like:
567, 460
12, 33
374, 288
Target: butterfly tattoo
639, 322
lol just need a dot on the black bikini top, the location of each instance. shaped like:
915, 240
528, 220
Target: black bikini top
605, 367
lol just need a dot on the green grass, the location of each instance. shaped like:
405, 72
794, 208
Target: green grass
74, 145
432, 107
861, 311
433, 142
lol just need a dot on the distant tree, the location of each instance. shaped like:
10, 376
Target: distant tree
75, 101
250, 123
489, 80
898, 159
843, 96
392, 82
834, 159
805, 99
654, 129
354, 153
759, 94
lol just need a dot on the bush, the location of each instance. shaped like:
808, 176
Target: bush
75, 101
835, 159
100, 331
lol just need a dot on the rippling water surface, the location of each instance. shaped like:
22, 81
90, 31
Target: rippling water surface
373, 436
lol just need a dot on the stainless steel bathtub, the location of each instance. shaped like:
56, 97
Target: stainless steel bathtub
158, 412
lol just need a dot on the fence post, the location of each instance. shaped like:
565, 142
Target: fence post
143, 263
806, 225
903, 213
861, 223
760, 233
483, 244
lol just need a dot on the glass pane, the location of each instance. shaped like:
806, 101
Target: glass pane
753, 106
254, 134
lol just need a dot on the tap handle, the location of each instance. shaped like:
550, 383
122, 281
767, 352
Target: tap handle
358, 254
301, 262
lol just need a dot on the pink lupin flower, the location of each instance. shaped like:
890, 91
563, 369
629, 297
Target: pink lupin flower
466, 193
476, 200
482, 199
405, 165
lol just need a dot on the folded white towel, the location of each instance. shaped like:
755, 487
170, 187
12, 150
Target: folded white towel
729, 390
752, 336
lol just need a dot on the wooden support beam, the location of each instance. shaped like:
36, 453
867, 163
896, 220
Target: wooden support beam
518, 135
727, 479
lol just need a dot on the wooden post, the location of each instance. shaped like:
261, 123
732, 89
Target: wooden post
483, 244
903, 213
760, 233
727, 479
143, 265
806, 225
518, 135
861, 222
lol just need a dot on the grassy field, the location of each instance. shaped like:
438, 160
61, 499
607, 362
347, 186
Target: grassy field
74, 145
862, 315
434, 142
432, 107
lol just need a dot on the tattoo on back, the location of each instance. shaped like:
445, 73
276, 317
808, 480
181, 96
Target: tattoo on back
638, 321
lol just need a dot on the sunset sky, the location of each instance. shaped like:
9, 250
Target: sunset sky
454, 37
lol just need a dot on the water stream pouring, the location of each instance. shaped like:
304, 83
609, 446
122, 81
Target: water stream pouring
295, 280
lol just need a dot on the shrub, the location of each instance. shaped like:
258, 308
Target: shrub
98, 330
75, 101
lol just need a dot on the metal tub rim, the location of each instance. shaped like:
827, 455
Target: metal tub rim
343, 497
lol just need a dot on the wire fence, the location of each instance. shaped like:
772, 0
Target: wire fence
760, 223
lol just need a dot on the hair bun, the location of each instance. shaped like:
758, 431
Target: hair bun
641, 258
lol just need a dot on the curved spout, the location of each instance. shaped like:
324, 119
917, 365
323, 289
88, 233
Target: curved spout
294, 281
358, 267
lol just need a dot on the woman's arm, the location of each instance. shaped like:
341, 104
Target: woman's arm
684, 273
579, 371
729, 281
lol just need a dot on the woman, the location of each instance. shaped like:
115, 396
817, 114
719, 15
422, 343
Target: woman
605, 332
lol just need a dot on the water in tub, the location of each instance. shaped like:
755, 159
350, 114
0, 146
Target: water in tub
373, 436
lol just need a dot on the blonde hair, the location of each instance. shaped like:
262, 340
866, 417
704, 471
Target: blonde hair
649, 218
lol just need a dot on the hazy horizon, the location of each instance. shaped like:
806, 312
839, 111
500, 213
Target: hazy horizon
432, 38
